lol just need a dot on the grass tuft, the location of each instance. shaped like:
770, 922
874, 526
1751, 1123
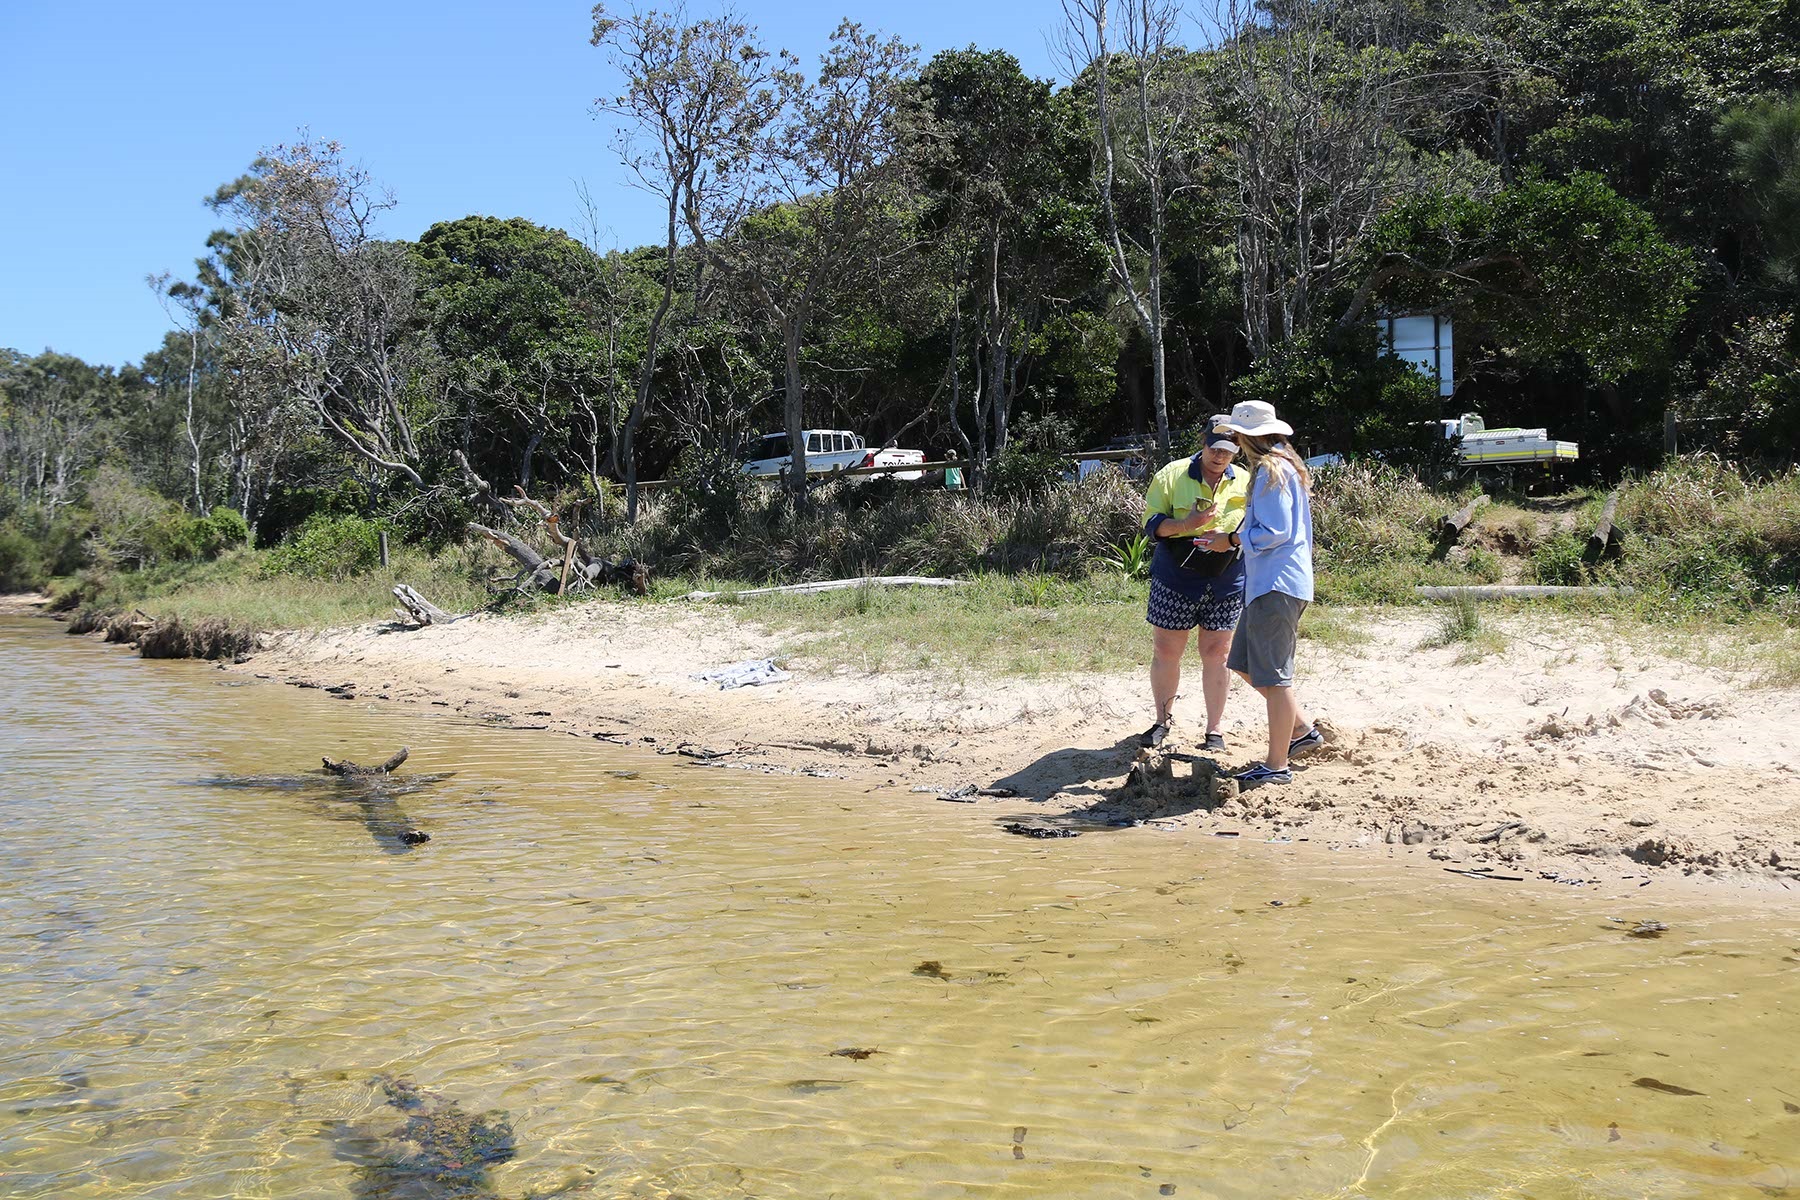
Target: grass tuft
1462, 625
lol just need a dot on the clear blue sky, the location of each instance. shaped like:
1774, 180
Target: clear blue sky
118, 119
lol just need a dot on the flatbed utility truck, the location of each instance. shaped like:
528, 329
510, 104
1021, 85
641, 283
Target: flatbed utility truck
1483, 449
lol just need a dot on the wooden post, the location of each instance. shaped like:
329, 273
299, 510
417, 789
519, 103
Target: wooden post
1670, 444
1451, 526
384, 548
568, 557
1604, 537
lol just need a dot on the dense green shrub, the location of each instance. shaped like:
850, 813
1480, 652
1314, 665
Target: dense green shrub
178, 537
915, 530
20, 569
328, 547
1036, 456
35, 549
709, 486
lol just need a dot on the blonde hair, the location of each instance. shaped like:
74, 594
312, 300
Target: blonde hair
1275, 455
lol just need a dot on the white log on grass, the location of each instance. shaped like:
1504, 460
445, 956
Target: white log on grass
834, 585
1515, 591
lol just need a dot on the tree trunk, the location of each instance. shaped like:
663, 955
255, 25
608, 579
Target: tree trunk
794, 407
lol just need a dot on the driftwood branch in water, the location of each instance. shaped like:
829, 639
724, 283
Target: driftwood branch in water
343, 767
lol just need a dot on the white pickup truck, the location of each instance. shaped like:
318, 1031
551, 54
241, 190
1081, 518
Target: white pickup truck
828, 450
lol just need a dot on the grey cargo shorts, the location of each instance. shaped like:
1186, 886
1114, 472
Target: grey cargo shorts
1263, 646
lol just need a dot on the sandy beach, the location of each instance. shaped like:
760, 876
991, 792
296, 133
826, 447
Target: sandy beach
1571, 758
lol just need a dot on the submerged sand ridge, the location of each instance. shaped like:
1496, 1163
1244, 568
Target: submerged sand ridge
1565, 758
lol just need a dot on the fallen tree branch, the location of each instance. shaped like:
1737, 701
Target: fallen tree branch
520, 553
419, 610
345, 767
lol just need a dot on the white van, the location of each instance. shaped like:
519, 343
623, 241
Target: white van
828, 450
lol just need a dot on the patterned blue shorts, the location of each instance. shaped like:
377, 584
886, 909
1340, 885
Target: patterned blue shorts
1169, 609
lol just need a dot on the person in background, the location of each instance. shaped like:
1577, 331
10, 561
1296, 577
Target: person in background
1192, 585
1276, 538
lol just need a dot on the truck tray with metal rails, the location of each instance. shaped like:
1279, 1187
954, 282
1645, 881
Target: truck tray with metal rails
1512, 447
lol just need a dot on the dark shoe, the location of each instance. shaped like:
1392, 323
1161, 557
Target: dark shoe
1307, 742
1215, 743
1260, 774
1154, 736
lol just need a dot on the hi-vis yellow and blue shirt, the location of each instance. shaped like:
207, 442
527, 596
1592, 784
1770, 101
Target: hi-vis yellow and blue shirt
1177, 490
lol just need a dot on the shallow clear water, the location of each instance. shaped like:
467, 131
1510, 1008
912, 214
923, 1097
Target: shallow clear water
648, 965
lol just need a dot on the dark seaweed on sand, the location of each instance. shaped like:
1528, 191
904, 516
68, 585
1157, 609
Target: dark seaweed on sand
440, 1152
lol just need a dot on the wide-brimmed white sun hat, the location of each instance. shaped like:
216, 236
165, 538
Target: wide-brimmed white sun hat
1256, 418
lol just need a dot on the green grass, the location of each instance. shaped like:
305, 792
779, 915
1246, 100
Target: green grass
1758, 647
1333, 627
234, 588
1462, 625
1712, 555
1014, 626
1019, 625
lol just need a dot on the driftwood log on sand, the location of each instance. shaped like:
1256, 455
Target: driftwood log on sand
343, 767
420, 611
570, 566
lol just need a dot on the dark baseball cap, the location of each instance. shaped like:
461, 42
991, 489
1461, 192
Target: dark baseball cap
1216, 437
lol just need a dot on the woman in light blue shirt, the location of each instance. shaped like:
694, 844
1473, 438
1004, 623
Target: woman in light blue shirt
1276, 537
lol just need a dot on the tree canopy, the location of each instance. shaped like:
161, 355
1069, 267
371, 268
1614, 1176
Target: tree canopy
1603, 195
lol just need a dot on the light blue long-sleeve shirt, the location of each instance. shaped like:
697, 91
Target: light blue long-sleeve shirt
1277, 537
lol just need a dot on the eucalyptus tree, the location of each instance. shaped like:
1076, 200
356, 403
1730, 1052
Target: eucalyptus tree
1317, 100
173, 436
186, 303
312, 301
1008, 210
1150, 140
696, 95
55, 413
818, 197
